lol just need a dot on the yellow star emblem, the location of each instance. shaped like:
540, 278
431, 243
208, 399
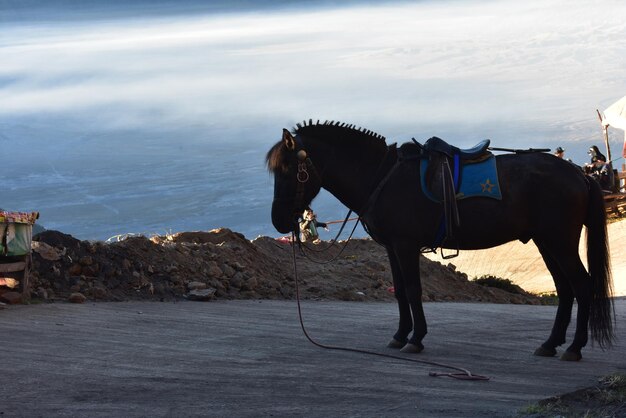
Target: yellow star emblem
487, 186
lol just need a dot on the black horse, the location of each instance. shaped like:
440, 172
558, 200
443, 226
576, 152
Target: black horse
544, 199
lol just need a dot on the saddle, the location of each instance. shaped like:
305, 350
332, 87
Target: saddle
441, 180
438, 145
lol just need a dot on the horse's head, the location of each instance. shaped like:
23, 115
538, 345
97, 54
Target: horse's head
296, 181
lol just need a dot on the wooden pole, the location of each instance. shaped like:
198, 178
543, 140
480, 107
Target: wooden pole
624, 153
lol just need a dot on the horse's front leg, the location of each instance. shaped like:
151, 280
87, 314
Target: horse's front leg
405, 325
404, 260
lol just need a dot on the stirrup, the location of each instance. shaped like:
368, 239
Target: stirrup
447, 257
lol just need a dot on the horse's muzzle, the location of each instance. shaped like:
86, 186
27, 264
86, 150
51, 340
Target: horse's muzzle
283, 218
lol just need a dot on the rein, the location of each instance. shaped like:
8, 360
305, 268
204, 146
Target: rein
461, 374
301, 245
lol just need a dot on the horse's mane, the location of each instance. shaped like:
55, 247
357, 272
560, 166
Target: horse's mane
331, 131
332, 128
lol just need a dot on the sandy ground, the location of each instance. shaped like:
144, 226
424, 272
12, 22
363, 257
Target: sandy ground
523, 265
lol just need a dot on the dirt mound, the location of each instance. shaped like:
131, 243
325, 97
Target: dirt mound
605, 399
523, 265
222, 264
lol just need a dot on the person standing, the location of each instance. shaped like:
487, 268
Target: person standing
601, 170
559, 152
309, 225
596, 155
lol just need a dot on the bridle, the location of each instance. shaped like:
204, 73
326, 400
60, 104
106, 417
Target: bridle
302, 175
305, 170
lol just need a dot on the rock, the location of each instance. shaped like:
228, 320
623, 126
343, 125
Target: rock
273, 284
77, 297
91, 248
214, 270
75, 270
228, 270
236, 281
90, 270
159, 289
172, 268
250, 284
201, 294
47, 252
12, 298
196, 285
41, 293
99, 292
85, 261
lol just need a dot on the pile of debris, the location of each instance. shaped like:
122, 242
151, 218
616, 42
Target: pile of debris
222, 264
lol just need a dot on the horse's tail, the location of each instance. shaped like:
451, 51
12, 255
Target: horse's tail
598, 259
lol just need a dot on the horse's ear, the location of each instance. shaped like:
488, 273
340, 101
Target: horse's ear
289, 140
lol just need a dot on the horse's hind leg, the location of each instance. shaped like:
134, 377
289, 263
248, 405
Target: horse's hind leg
571, 280
564, 310
583, 290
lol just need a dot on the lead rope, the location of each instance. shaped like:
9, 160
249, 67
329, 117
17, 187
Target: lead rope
463, 375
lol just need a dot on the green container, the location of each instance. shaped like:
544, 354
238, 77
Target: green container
16, 239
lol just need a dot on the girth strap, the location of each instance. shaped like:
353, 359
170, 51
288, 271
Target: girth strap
450, 217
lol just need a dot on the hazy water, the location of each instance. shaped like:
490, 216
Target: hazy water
155, 116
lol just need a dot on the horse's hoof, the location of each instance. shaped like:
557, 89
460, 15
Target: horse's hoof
571, 356
395, 343
412, 348
545, 352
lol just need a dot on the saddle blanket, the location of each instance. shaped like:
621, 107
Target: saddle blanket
476, 180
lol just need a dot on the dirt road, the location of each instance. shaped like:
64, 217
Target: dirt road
250, 359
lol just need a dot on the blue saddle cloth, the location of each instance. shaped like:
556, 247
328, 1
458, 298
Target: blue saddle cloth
476, 180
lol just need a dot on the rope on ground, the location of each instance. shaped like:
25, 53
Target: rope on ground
463, 374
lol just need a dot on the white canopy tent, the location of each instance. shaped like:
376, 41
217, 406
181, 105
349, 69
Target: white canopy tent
615, 116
